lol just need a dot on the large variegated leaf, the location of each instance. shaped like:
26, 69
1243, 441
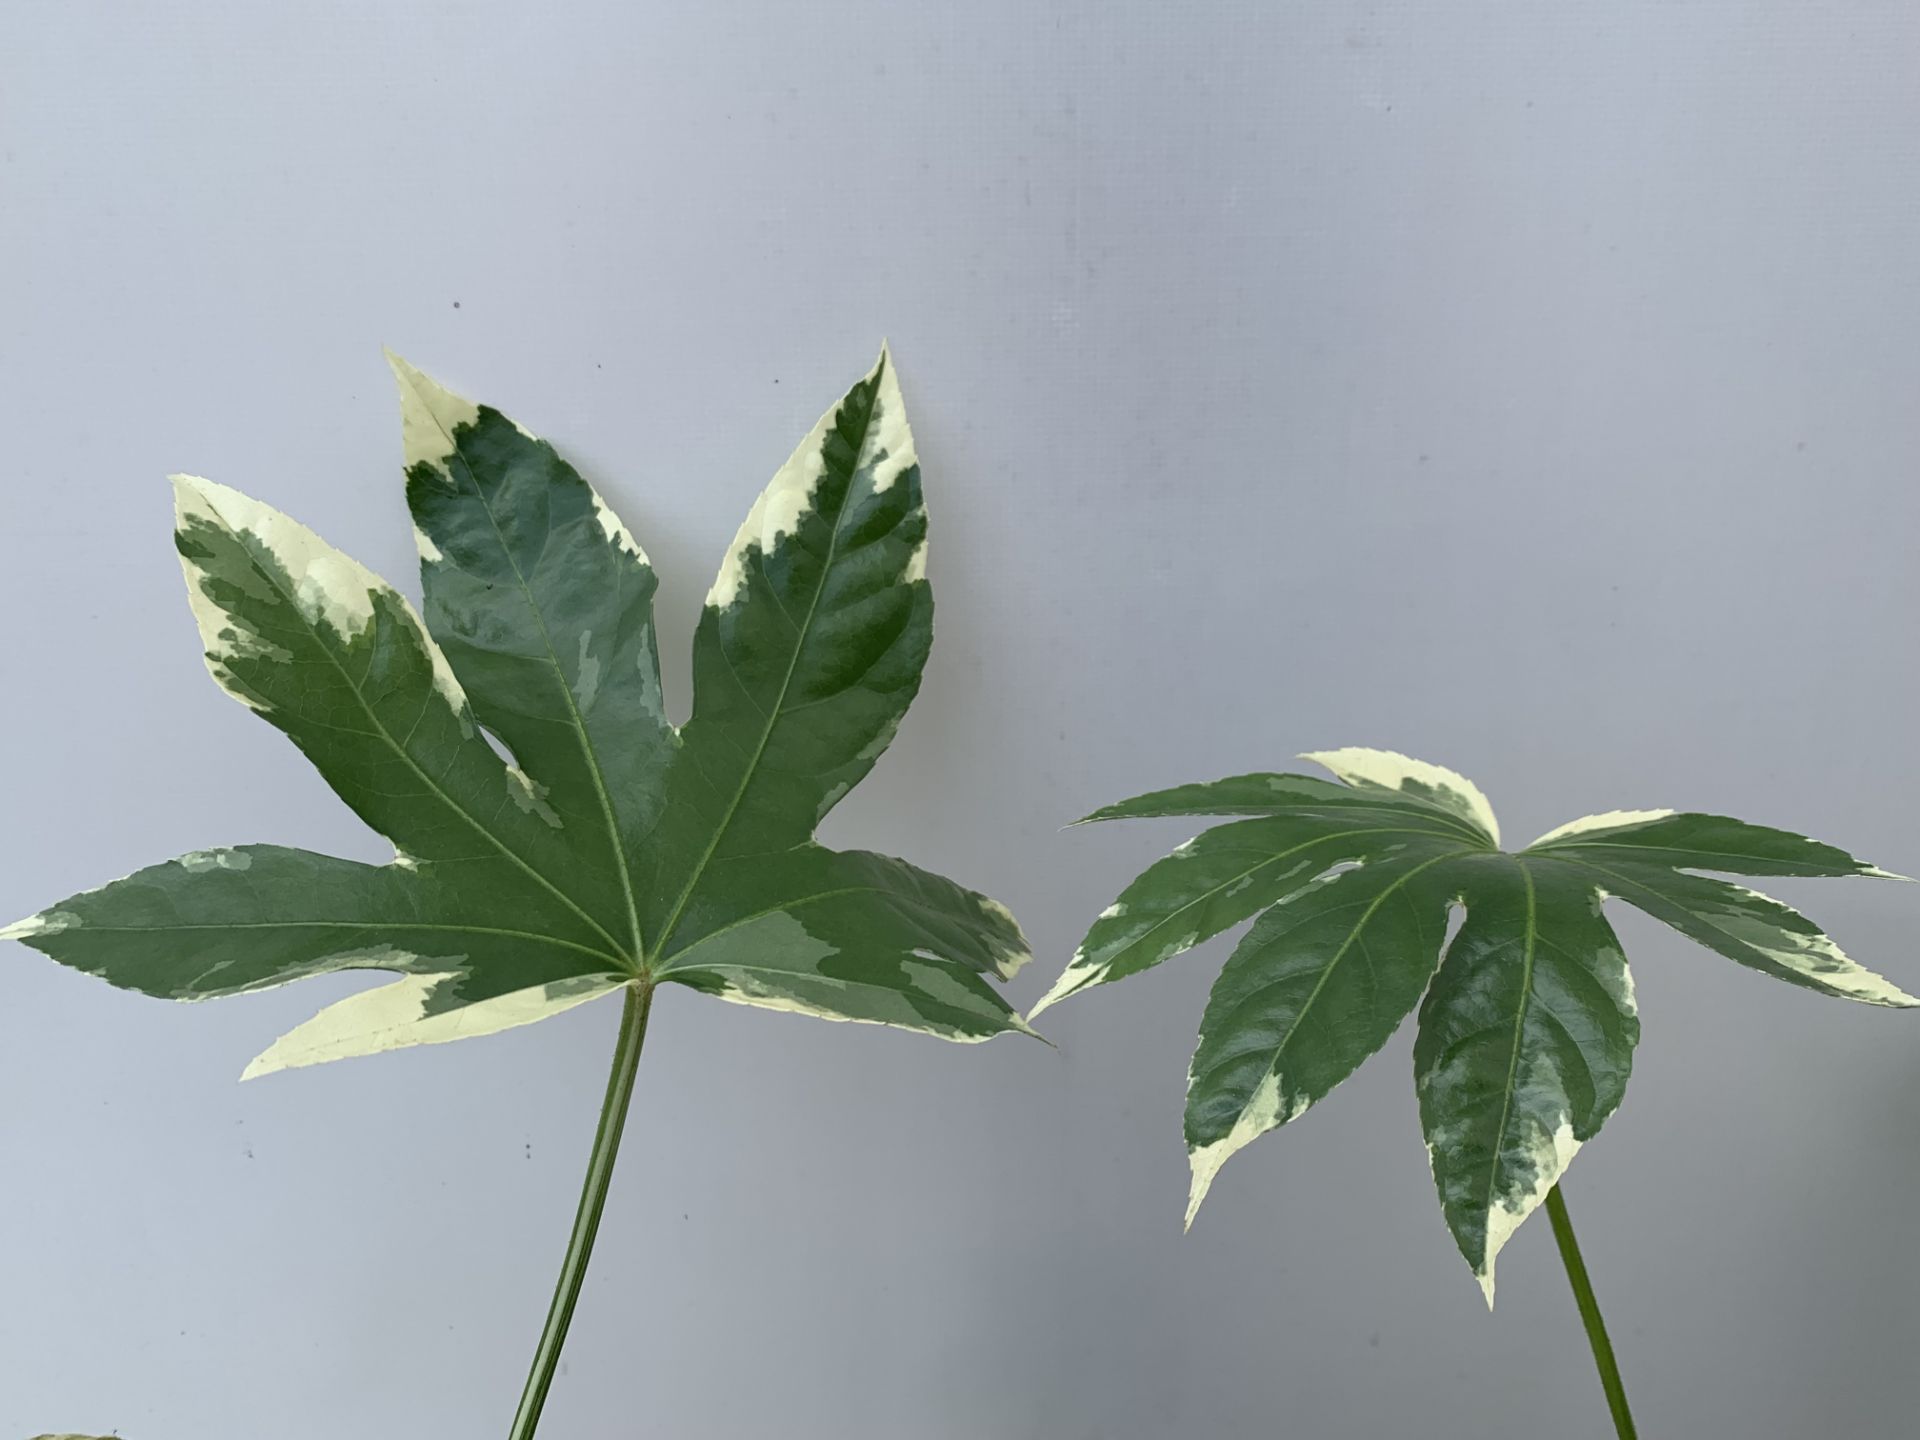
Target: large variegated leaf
1527, 1026
609, 849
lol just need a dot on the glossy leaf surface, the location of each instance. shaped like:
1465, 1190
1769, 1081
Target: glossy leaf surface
603, 846
1526, 1018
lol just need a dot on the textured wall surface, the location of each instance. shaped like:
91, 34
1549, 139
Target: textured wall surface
1531, 388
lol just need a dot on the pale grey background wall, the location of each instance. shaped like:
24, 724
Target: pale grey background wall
1531, 387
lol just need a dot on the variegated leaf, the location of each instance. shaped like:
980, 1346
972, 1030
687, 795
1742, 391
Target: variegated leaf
1319, 983
1673, 840
848, 935
1372, 772
1280, 794
1749, 927
1222, 877
609, 850
1527, 1028
222, 922
808, 652
543, 603
1525, 1043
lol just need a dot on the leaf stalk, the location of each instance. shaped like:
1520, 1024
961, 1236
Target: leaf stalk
1590, 1315
593, 1200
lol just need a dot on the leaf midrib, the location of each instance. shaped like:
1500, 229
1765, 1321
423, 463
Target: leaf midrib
579, 727
1647, 852
1401, 806
1630, 883
773, 716
1513, 1063
1326, 971
1261, 864
373, 926
670, 962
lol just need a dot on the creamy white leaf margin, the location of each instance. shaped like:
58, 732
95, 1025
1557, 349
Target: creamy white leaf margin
395, 1016
779, 508
1390, 770
330, 588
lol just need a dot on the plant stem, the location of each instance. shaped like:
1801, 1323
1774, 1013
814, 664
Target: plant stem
593, 1199
1590, 1315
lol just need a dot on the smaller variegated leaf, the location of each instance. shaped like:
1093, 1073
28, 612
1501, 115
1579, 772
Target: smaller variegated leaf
605, 848
1527, 1026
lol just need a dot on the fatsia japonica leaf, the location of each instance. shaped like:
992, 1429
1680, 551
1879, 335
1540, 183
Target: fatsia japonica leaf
556, 838
1526, 1018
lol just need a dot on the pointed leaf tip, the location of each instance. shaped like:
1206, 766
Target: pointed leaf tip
411, 376
1073, 979
186, 486
1024, 1026
405, 374
430, 416
1266, 1108
27, 927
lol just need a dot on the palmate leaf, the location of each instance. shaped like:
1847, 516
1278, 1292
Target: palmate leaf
610, 848
1527, 1023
